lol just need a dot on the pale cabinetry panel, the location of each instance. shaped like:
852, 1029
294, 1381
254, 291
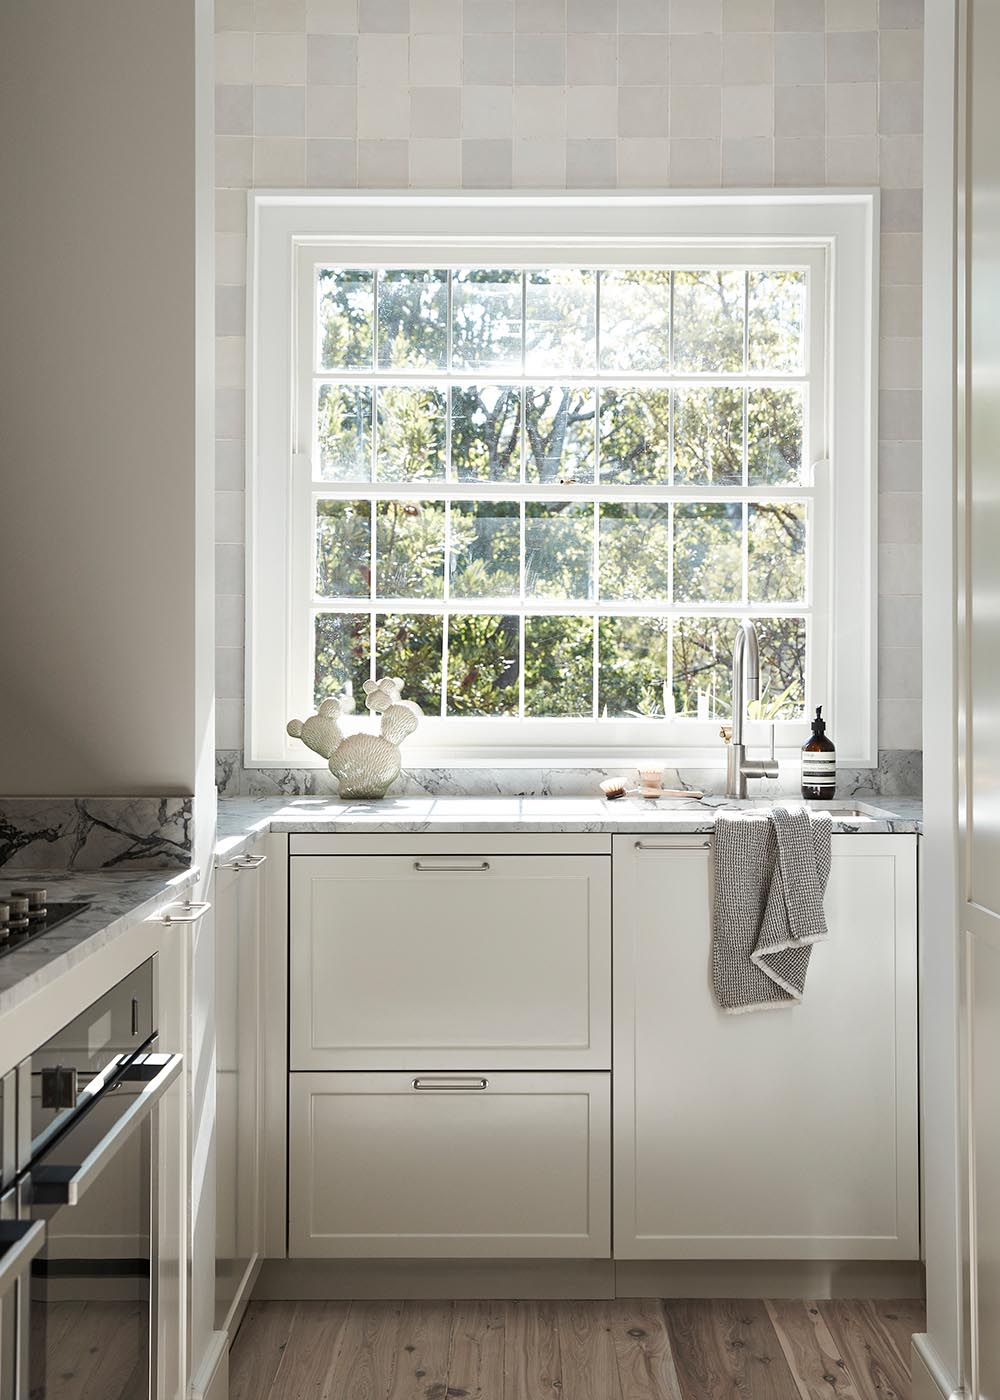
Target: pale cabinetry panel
446, 961
238, 922
983, 950
788, 1133
496, 1166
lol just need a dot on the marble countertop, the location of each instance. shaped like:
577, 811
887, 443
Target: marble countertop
241, 819
117, 902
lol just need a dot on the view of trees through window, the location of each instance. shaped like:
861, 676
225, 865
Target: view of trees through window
553, 492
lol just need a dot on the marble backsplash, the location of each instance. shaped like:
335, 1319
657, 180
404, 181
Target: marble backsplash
899, 774
95, 833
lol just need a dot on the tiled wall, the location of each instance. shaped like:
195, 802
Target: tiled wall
583, 93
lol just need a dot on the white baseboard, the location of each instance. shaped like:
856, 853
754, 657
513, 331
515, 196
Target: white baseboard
212, 1380
931, 1378
768, 1278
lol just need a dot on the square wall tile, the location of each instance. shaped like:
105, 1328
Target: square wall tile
696, 58
487, 112
332, 59
383, 164
331, 111
643, 162
488, 16
279, 16
435, 17
800, 161
539, 113
799, 16
592, 16
540, 164
592, 58
279, 111
383, 58
852, 109
234, 58
331, 163
280, 164
487, 58
695, 16
746, 111
384, 16
901, 14
800, 112
540, 59
435, 112
901, 56
435, 163
332, 16
643, 16
745, 15
436, 60
852, 57
540, 16
591, 164
851, 14
487, 164
799, 59
901, 109
642, 111
695, 163
279, 59
233, 109
695, 112
592, 112
747, 58
747, 161
383, 113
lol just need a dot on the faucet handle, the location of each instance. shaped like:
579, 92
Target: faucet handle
726, 732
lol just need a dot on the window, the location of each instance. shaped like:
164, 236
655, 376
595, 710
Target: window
541, 476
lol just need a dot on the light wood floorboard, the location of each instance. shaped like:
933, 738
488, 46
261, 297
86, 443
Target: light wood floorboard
629, 1349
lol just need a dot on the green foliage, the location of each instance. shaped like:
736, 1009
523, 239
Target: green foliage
690, 323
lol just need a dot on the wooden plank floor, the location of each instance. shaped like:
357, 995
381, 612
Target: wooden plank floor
631, 1349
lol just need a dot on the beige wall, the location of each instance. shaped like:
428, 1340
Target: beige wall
99, 397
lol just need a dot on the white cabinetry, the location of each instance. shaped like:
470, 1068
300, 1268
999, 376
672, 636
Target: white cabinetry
450, 1050
455, 1166
451, 962
239, 1065
785, 1134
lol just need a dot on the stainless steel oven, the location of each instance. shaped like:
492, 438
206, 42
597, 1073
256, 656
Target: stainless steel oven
79, 1306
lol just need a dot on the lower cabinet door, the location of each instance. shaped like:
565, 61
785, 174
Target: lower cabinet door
393, 1165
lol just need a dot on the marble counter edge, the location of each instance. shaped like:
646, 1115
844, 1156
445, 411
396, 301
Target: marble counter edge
112, 913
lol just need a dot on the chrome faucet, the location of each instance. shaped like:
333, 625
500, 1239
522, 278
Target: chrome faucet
746, 668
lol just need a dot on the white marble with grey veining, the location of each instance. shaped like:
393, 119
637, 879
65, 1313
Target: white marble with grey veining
898, 774
117, 902
241, 820
95, 833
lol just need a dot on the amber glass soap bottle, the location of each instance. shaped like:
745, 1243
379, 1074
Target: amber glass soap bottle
819, 763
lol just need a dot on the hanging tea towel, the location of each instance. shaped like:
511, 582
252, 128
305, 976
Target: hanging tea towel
771, 870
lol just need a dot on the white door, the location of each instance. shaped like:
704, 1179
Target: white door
781, 1134
238, 1074
980, 691
449, 961
432, 1165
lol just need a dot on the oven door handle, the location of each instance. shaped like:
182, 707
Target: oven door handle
20, 1241
64, 1185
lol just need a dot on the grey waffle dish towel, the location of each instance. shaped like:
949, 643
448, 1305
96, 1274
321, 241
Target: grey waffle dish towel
771, 871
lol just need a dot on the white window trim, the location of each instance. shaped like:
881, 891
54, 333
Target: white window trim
843, 222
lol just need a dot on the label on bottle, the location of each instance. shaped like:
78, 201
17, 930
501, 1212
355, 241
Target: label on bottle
819, 770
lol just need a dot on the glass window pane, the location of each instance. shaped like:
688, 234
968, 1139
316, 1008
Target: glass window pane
409, 645
708, 547
776, 309
486, 319
486, 432
560, 433
413, 319
345, 299
341, 655
774, 436
635, 550
776, 532
708, 321
635, 319
344, 432
782, 666
559, 549
702, 654
412, 433
708, 436
485, 559
634, 667
635, 435
560, 320
343, 549
559, 666
409, 545
483, 665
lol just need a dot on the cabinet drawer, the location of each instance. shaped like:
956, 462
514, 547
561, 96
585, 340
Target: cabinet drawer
404, 1166
402, 962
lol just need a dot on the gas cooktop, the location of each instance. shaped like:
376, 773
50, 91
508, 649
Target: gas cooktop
39, 922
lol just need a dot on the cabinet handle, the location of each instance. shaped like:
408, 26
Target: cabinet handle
247, 862
647, 846
186, 913
450, 1082
468, 869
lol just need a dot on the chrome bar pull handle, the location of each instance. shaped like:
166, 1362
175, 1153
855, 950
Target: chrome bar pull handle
662, 846
189, 912
247, 862
466, 869
455, 1082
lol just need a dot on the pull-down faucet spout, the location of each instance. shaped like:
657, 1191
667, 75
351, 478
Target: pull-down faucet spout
746, 687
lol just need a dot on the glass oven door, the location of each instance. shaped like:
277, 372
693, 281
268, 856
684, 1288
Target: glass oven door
92, 1305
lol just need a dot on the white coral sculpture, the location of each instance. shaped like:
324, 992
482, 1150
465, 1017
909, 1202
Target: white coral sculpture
365, 765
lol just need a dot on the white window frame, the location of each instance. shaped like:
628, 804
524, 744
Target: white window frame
838, 227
